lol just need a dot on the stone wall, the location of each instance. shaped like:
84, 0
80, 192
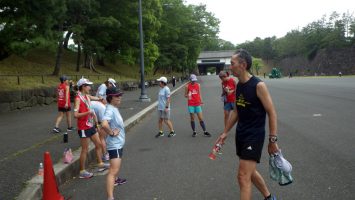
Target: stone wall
13, 100
326, 62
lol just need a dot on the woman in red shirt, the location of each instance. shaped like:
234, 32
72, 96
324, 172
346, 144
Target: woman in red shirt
86, 129
228, 94
63, 99
193, 94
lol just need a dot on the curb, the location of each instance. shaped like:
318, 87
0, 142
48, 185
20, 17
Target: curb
64, 172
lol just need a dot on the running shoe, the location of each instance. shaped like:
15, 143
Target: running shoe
272, 197
103, 166
56, 130
85, 174
106, 157
172, 134
194, 134
70, 129
120, 181
207, 134
160, 134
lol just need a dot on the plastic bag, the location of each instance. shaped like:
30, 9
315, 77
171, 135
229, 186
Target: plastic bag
67, 156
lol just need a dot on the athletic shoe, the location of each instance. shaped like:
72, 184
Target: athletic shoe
172, 134
103, 166
56, 130
86, 174
106, 157
272, 197
207, 134
160, 134
194, 134
120, 181
70, 129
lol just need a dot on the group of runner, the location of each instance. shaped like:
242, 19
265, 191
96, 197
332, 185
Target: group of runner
246, 103
98, 120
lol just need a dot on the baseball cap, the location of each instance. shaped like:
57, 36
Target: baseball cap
193, 77
113, 91
282, 163
163, 79
112, 81
222, 74
63, 78
83, 81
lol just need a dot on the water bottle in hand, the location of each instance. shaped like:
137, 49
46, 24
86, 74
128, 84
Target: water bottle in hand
215, 151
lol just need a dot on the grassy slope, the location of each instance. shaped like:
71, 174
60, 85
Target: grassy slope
40, 62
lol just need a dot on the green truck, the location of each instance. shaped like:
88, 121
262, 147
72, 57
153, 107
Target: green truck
275, 73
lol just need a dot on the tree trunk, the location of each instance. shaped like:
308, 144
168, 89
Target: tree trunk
78, 58
155, 70
66, 40
59, 54
100, 61
91, 64
86, 61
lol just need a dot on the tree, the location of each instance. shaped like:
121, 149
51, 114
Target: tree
28, 24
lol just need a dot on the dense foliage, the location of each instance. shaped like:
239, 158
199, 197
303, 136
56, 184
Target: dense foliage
335, 32
104, 30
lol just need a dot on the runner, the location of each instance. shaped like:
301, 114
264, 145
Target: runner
63, 99
253, 102
101, 91
193, 94
86, 129
164, 107
228, 94
99, 108
114, 127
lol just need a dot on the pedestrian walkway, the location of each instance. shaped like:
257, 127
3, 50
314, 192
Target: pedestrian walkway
27, 134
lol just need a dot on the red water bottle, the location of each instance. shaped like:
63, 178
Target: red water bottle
215, 151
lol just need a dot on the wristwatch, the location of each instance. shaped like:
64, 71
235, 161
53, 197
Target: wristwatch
272, 138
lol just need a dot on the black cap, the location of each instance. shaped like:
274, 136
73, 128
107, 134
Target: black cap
113, 91
63, 78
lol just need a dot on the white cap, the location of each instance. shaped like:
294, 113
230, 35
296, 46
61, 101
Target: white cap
163, 79
83, 81
193, 77
282, 163
112, 81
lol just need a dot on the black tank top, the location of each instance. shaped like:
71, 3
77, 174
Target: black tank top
251, 112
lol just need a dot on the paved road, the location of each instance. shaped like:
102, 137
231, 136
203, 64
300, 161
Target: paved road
25, 135
316, 129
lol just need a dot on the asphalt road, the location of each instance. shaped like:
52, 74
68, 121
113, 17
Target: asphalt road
316, 134
26, 134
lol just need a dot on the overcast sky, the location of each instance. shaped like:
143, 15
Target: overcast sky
247, 19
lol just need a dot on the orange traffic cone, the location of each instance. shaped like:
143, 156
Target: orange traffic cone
50, 188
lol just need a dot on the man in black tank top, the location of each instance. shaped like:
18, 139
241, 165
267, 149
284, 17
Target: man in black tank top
253, 102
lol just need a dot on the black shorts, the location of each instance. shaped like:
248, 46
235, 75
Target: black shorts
60, 109
249, 150
115, 153
87, 133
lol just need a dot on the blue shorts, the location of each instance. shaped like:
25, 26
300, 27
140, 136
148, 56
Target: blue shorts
115, 153
195, 109
228, 106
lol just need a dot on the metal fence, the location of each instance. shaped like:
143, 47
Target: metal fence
75, 77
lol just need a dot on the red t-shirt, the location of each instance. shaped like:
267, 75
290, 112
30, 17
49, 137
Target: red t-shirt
231, 85
61, 91
194, 98
85, 122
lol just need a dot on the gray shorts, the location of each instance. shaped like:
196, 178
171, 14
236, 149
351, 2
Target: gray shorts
164, 114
